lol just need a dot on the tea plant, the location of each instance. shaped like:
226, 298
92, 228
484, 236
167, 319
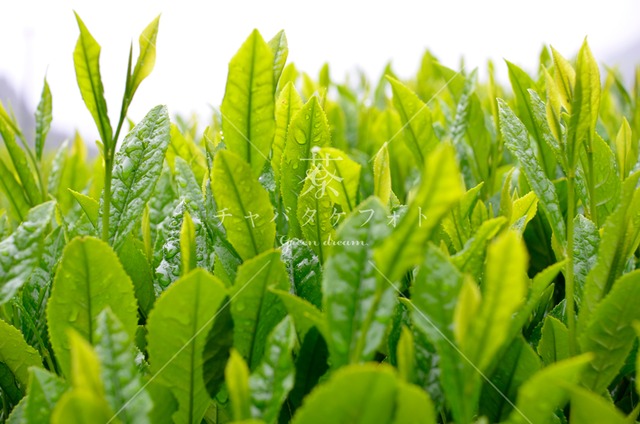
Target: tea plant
423, 251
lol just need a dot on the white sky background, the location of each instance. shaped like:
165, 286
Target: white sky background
197, 39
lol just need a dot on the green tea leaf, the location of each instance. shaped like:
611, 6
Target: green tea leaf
45, 390
247, 108
382, 175
146, 58
86, 59
118, 370
178, 326
305, 315
188, 244
406, 355
439, 190
554, 343
358, 303
21, 251
315, 212
80, 406
136, 265
217, 349
522, 85
626, 150
256, 310
12, 189
136, 170
620, 237
43, 119
287, 105
586, 240
584, 106
280, 50
21, 166
610, 335
367, 394
89, 279
237, 378
547, 390
516, 366
587, 407
342, 177
272, 380
517, 140
17, 355
304, 270
308, 129
504, 289
243, 203
416, 120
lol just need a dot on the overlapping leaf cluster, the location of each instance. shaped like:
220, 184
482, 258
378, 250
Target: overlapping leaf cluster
433, 250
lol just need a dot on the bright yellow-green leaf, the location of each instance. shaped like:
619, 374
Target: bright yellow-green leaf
236, 375
503, 291
416, 120
89, 279
564, 78
248, 119
625, 153
288, 104
243, 205
554, 342
86, 59
548, 390
584, 105
85, 366
16, 354
280, 49
466, 310
188, 244
20, 164
524, 209
184, 147
589, 408
147, 56
178, 327
342, 176
81, 407
382, 175
315, 211
406, 355
308, 129
440, 188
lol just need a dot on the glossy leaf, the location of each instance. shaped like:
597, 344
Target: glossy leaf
21, 251
247, 108
136, 170
86, 59
503, 291
342, 177
517, 140
357, 299
244, 205
315, 210
416, 120
620, 237
178, 326
280, 49
147, 56
43, 119
256, 310
21, 166
287, 105
610, 334
274, 377
90, 278
237, 378
17, 355
382, 175
439, 190
123, 384
308, 129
